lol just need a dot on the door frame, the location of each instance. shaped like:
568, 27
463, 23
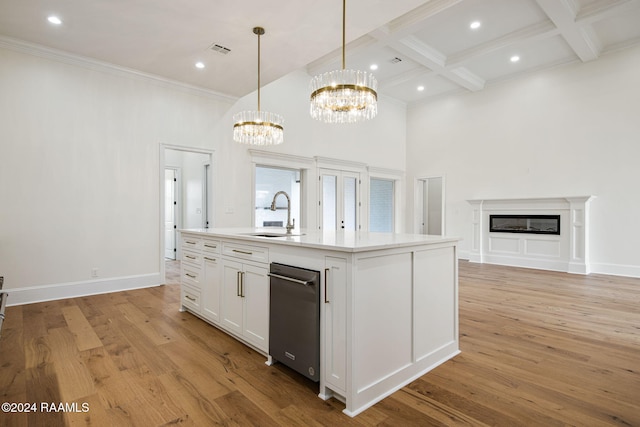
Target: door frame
419, 210
177, 206
162, 165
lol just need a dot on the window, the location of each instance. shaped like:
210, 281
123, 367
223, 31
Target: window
381, 205
270, 180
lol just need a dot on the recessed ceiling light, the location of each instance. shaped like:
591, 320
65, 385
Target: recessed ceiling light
420, 88
54, 20
199, 65
373, 67
475, 25
515, 58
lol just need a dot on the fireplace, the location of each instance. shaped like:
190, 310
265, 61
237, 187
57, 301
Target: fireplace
546, 233
530, 224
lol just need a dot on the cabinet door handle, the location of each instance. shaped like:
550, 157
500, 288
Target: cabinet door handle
326, 278
238, 283
242, 284
242, 252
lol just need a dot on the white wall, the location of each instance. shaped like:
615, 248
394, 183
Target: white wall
80, 174
80, 169
570, 131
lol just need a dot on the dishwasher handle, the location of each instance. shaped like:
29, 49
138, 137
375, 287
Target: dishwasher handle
291, 279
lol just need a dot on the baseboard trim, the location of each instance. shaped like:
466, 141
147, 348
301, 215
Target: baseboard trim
58, 291
594, 268
616, 269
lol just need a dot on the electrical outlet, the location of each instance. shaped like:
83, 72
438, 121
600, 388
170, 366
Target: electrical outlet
94, 272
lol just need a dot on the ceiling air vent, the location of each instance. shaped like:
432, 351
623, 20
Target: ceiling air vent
220, 49
395, 60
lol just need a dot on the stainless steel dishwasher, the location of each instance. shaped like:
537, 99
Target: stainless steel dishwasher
294, 319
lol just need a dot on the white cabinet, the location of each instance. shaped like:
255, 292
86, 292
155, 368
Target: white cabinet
200, 276
211, 288
191, 275
245, 301
227, 284
335, 323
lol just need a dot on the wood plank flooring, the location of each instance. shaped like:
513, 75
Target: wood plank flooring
538, 349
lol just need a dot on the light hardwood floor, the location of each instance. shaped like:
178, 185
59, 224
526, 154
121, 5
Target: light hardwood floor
538, 349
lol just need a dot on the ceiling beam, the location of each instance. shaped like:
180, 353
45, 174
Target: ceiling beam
581, 38
539, 31
431, 58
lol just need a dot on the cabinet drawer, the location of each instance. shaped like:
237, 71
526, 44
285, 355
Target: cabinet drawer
190, 298
193, 258
191, 243
191, 275
248, 252
210, 246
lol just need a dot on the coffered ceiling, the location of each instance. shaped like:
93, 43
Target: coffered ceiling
414, 43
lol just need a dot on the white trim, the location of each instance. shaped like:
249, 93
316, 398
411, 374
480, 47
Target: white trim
341, 165
269, 158
58, 291
95, 65
616, 269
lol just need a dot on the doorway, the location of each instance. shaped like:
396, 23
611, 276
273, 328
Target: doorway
186, 189
429, 205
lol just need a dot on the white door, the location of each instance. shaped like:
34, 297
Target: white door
211, 289
170, 213
339, 200
255, 293
232, 304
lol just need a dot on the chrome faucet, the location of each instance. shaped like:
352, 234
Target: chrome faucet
273, 208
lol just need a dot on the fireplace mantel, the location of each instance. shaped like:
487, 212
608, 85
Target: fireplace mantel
568, 251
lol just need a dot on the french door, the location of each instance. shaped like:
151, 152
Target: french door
339, 200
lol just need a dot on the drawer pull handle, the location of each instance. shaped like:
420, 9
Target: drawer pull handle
190, 275
189, 243
242, 252
190, 298
211, 246
190, 257
209, 259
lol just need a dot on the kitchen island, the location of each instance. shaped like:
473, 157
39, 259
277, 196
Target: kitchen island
389, 302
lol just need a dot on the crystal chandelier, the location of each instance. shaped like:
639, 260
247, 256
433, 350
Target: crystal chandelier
258, 127
344, 96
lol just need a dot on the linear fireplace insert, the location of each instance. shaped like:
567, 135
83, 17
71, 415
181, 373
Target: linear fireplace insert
532, 224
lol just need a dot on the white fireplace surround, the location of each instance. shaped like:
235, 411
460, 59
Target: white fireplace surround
567, 252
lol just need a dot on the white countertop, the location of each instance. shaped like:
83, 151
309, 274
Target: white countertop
343, 241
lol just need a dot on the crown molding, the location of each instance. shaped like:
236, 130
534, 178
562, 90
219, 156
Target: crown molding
96, 65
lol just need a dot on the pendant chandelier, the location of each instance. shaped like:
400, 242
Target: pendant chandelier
344, 96
258, 127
